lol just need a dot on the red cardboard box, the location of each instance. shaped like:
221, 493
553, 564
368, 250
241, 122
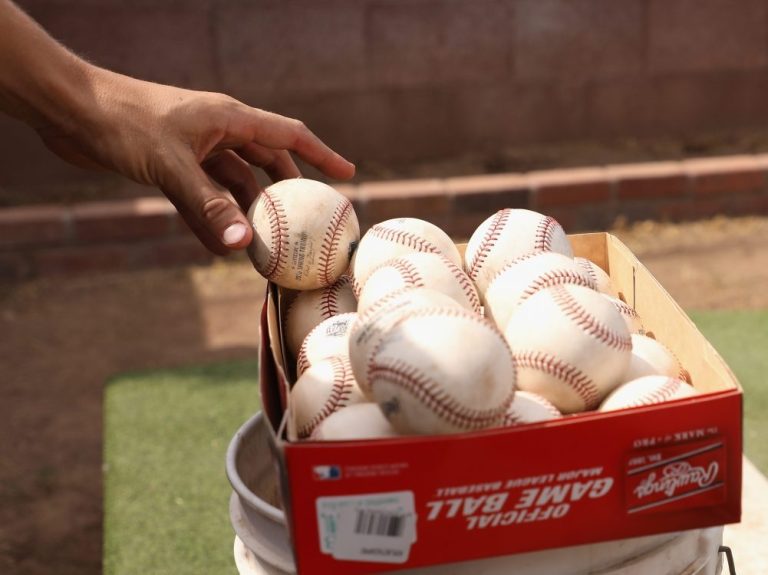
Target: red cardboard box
357, 507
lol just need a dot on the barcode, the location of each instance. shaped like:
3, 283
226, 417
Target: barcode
379, 523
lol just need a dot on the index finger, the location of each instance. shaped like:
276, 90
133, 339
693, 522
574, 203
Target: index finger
282, 133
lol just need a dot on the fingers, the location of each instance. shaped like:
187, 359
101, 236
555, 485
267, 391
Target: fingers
218, 223
234, 174
277, 164
281, 133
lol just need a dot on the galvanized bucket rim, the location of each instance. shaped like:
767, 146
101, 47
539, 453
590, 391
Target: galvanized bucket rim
242, 490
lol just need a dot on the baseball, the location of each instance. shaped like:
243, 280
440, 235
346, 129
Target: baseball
421, 269
570, 345
507, 235
398, 237
651, 357
631, 317
647, 390
371, 325
304, 233
442, 370
330, 337
521, 278
358, 421
529, 407
325, 387
601, 279
308, 308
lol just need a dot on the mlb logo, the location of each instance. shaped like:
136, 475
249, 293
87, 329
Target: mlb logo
325, 472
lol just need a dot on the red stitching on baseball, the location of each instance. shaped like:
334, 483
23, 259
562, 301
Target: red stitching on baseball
587, 266
490, 238
625, 309
330, 245
429, 392
302, 361
278, 224
544, 233
553, 278
465, 283
584, 387
587, 322
329, 301
404, 238
343, 384
406, 269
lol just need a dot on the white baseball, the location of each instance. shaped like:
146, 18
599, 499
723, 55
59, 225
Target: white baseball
330, 337
325, 387
507, 235
529, 407
603, 282
358, 421
433, 271
304, 233
647, 390
398, 237
371, 325
428, 379
651, 357
630, 315
522, 277
570, 346
308, 308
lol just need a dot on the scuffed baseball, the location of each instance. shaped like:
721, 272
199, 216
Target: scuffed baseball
420, 270
371, 325
398, 237
304, 233
507, 235
330, 337
529, 407
358, 421
647, 390
306, 309
570, 345
428, 380
521, 278
651, 357
602, 280
324, 388
630, 315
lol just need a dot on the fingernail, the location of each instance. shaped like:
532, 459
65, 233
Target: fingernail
234, 233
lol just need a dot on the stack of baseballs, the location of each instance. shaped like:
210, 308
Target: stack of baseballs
400, 332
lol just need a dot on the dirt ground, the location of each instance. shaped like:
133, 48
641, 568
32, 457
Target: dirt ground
63, 339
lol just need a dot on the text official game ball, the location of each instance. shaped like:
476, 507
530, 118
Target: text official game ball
304, 233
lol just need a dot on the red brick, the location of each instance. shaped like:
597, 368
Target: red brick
690, 210
14, 266
123, 220
754, 204
488, 194
575, 187
425, 199
726, 175
34, 225
649, 180
74, 260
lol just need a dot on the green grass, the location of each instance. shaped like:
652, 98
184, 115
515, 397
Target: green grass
166, 492
741, 337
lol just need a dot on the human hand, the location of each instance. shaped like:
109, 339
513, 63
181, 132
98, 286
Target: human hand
185, 142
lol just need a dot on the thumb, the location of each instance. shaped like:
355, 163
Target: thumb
211, 213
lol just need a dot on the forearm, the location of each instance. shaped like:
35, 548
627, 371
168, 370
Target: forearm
41, 82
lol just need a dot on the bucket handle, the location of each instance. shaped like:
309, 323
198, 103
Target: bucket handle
729, 558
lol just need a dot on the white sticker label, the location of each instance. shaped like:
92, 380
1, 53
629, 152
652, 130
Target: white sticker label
374, 527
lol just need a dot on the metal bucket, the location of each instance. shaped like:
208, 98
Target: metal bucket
262, 545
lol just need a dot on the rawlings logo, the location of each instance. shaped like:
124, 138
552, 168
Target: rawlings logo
676, 476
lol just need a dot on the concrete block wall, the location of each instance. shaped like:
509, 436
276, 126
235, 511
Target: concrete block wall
390, 81
130, 234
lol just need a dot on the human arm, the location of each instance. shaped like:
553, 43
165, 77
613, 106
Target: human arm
189, 144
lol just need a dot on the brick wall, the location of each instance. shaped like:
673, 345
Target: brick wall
398, 80
129, 234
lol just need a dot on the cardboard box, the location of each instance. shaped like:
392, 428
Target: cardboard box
358, 507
